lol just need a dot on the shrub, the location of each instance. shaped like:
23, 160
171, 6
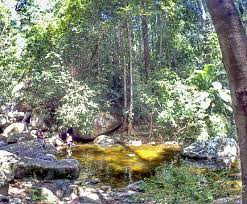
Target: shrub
77, 107
184, 184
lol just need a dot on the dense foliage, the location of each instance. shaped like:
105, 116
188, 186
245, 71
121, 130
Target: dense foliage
66, 49
185, 184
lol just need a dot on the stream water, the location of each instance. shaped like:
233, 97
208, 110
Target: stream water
120, 165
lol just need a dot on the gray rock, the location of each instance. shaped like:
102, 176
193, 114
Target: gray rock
45, 169
8, 163
31, 149
56, 141
3, 121
16, 115
44, 194
39, 162
19, 137
228, 200
135, 186
219, 151
3, 199
14, 128
16, 91
40, 121
104, 140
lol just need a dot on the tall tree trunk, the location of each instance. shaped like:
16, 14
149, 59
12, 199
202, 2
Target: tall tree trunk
233, 43
131, 79
122, 51
146, 45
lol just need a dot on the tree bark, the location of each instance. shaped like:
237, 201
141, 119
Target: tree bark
146, 45
130, 118
233, 43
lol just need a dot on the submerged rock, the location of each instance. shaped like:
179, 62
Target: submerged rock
104, 140
216, 153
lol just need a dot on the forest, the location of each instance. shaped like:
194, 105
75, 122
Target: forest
118, 101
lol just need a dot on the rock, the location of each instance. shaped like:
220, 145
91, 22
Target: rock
87, 195
4, 199
38, 162
7, 108
16, 116
135, 186
16, 91
135, 142
31, 149
8, 163
45, 169
104, 123
56, 141
77, 137
228, 200
3, 121
19, 137
40, 121
2, 143
104, 140
14, 128
4, 184
221, 152
44, 194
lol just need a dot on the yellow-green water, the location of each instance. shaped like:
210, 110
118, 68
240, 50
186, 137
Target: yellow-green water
121, 164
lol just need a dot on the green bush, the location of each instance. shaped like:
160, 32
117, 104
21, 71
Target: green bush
184, 184
196, 108
77, 107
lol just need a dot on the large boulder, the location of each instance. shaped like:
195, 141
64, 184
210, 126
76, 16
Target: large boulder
217, 153
14, 128
31, 149
56, 141
104, 123
8, 163
47, 169
40, 121
39, 162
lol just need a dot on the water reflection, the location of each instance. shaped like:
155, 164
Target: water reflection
121, 164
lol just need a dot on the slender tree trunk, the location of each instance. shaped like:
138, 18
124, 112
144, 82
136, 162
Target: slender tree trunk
130, 126
233, 43
122, 48
161, 40
146, 45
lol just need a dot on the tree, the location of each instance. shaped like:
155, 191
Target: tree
233, 43
145, 43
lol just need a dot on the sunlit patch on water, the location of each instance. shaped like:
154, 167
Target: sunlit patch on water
121, 164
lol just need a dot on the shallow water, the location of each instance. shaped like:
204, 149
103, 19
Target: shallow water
120, 165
